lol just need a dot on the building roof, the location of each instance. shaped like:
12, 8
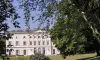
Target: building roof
28, 31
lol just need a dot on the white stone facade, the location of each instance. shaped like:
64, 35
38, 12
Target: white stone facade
24, 43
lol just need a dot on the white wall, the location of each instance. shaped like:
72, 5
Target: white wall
30, 48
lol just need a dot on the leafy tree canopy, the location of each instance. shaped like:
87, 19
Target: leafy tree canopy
83, 15
74, 20
6, 11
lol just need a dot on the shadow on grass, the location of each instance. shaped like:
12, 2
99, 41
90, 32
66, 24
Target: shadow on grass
91, 58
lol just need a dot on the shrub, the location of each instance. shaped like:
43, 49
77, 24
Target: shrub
39, 56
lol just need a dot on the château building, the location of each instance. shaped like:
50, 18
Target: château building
29, 43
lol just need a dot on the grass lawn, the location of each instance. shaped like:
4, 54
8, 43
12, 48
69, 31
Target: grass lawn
75, 57
58, 57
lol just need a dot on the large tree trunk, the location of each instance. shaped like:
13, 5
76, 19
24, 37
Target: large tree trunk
98, 53
97, 50
97, 47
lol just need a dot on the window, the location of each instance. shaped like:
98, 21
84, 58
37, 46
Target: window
24, 37
34, 36
42, 37
7, 50
43, 50
10, 42
24, 43
31, 50
17, 43
11, 37
39, 50
43, 42
47, 42
38, 36
53, 51
24, 52
39, 32
46, 36
30, 42
34, 42
38, 42
17, 52
30, 36
16, 37
34, 50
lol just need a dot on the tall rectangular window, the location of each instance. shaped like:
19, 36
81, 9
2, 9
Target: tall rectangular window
43, 50
47, 36
24, 37
30, 42
17, 43
43, 42
30, 36
53, 51
38, 36
16, 37
10, 42
38, 42
34, 42
47, 42
24, 43
17, 52
34, 50
42, 37
34, 36
24, 52
39, 50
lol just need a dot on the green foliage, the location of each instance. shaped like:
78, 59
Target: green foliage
77, 22
67, 37
82, 17
6, 11
39, 56
89, 10
2, 47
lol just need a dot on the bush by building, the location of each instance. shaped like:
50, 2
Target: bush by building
39, 56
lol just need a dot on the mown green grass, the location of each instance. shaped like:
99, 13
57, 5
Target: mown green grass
58, 57
75, 57
20, 58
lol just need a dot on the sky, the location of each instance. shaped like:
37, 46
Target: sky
21, 20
